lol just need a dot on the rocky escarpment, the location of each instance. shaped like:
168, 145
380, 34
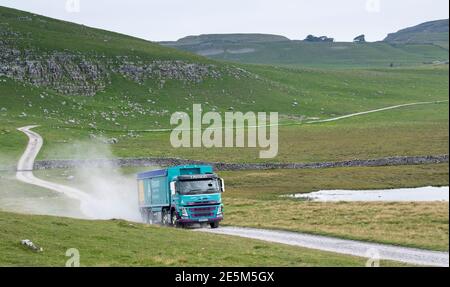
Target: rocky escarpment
70, 72
162, 70
66, 73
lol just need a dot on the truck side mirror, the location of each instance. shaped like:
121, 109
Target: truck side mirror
172, 188
222, 184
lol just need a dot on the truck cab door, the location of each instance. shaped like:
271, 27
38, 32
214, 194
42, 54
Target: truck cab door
173, 191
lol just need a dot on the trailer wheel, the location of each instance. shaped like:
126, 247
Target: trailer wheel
146, 217
143, 216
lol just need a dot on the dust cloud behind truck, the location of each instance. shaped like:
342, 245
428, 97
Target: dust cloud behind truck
181, 195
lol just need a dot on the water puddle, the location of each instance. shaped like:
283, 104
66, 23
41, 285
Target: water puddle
428, 193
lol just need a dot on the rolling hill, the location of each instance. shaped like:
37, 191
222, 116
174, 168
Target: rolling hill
230, 38
65, 73
424, 43
433, 32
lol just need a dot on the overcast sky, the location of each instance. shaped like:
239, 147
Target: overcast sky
159, 20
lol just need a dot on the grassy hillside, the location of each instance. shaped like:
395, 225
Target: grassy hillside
120, 243
29, 30
415, 130
92, 83
433, 32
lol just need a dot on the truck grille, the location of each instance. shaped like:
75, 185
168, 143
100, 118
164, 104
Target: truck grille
202, 203
202, 211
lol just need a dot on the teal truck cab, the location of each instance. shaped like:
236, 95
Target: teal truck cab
181, 195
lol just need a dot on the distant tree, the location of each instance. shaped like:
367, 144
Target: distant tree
312, 38
326, 39
360, 39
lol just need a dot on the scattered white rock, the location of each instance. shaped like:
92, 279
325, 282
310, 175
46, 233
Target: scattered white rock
28, 243
112, 141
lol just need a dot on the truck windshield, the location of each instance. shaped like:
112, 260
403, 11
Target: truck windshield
198, 186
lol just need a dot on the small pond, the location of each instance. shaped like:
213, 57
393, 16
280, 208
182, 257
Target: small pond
428, 193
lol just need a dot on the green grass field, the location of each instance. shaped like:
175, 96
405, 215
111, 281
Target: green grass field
253, 199
120, 243
416, 130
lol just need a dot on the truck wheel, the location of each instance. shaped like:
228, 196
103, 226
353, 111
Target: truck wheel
174, 219
149, 217
165, 220
214, 224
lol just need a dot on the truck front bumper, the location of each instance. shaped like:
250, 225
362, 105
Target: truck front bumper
200, 220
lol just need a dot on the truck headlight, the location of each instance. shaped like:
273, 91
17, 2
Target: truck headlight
184, 212
219, 210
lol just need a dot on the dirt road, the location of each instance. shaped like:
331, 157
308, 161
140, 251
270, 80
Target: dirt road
375, 111
319, 121
343, 246
25, 174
